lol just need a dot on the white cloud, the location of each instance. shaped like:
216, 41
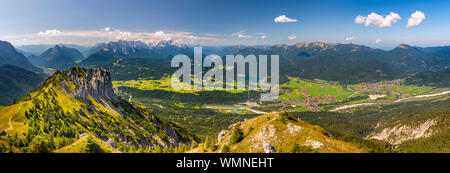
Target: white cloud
244, 36
349, 38
416, 19
241, 34
378, 41
107, 28
159, 33
360, 19
378, 20
90, 37
50, 32
284, 19
237, 33
292, 37
261, 35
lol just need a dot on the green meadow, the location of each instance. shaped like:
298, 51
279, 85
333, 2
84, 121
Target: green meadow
298, 86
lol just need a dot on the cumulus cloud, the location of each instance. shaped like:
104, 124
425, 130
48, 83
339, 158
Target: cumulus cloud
378, 41
380, 21
360, 19
50, 32
107, 28
349, 38
416, 19
292, 37
284, 19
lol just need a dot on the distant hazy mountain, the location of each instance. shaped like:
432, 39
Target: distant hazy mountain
119, 47
9, 55
26, 54
169, 49
443, 51
411, 59
15, 82
58, 57
112, 51
41, 48
108, 52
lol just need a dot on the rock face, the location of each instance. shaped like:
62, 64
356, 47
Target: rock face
94, 82
81, 136
314, 144
173, 137
398, 134
221, 136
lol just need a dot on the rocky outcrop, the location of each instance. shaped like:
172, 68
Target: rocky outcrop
400, 133
174, 139
94, 82
294, 128
314, 144
222, 135
268, 148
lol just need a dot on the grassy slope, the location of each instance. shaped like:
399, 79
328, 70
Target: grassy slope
277, 133
76, 147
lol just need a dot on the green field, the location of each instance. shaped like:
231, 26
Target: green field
158, 84
411, 89
397, 86
298, 86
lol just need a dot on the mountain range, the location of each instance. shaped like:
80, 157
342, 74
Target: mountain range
350, 63
108, 52
346, 63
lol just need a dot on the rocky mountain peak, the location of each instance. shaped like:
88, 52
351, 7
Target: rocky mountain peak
319, 44
404, 46
94, 82
300, 45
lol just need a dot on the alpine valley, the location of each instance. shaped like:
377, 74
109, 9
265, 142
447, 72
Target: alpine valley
116, 97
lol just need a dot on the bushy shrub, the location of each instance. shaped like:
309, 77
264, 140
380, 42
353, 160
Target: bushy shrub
288, 116
39, 145
225, 149
236, 136
90, 146
296, 148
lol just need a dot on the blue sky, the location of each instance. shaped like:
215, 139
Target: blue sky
224, 22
